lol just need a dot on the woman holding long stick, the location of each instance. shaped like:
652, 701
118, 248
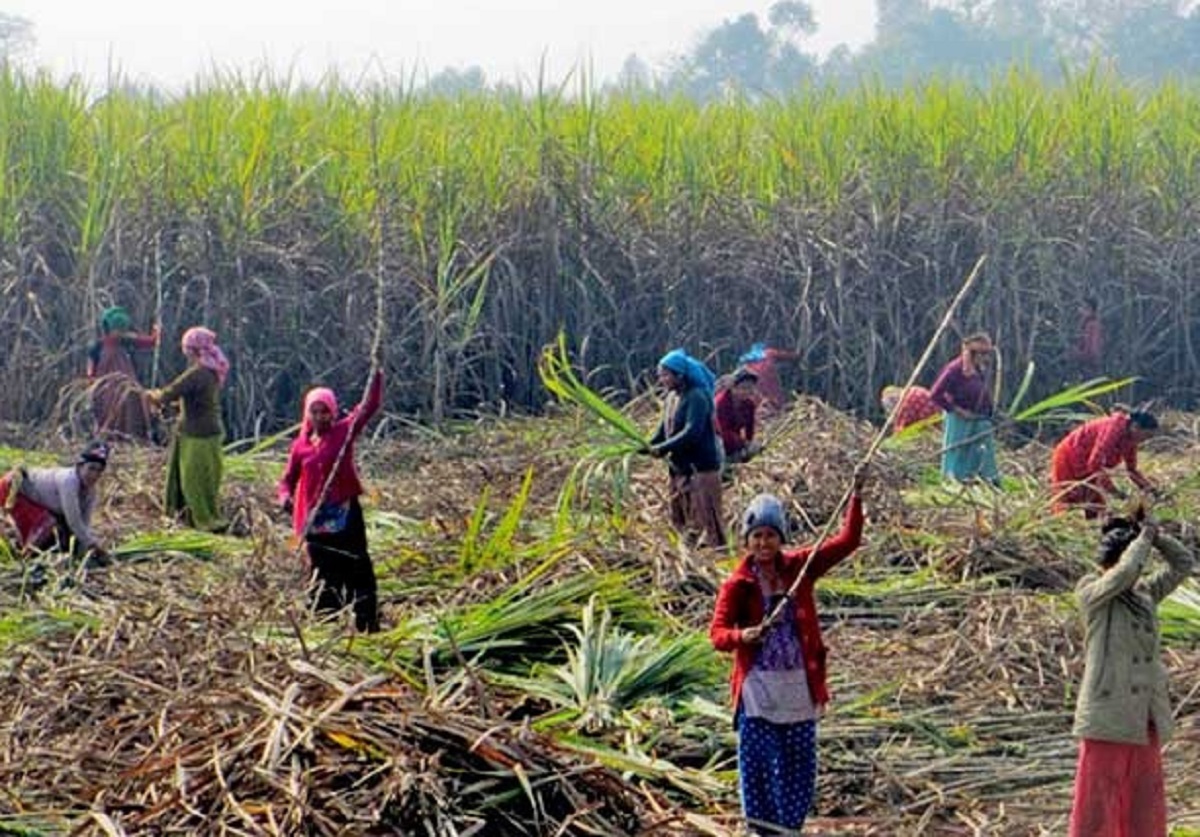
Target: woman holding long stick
778, 681
320, 486
776, 800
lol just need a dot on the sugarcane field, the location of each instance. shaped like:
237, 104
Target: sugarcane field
564, 464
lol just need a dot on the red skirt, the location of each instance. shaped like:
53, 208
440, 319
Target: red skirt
34, 523
1071, 490
1119, 790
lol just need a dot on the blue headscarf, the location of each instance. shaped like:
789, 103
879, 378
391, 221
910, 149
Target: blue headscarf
693, 371
757, 352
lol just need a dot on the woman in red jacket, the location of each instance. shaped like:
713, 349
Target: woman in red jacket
331, 524
1080, 462
778, 680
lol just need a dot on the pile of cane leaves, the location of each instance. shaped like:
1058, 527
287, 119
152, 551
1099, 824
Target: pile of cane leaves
544, 666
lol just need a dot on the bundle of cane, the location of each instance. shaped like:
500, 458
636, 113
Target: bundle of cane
559, 378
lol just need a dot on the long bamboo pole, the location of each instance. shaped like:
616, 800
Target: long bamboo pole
880, 435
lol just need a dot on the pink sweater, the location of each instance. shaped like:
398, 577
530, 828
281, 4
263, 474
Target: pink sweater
312, 458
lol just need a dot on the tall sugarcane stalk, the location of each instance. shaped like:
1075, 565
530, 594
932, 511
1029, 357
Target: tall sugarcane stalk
880, 435
376, 341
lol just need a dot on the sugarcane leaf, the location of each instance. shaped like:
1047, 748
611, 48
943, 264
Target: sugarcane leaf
1083, 393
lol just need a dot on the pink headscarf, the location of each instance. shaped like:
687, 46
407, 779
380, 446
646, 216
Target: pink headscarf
203, 342
317, 395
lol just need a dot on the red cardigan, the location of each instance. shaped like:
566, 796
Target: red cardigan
310, 462
740, 605
1095, 446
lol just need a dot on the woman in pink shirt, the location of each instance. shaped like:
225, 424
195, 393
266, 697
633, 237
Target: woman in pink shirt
330, 520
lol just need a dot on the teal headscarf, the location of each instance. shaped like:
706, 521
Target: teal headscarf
115, 319
757, 352
693, 371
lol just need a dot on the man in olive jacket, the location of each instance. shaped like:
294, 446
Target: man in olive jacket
1123, 713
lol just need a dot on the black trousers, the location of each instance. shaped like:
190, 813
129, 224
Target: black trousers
343, 573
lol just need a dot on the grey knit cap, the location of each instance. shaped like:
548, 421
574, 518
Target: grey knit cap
765, 510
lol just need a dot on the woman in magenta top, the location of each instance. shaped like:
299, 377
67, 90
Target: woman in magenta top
334, 532
963, 392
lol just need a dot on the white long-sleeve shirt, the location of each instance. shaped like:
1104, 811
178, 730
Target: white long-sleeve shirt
61, 491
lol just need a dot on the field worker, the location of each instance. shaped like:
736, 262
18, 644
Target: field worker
1088, 352
194, 462
1123, 714
1080, 462
778, 681
51, 508
764, 362
963, 392
117, 402
687, 438
918, 406
735, 405
331, 523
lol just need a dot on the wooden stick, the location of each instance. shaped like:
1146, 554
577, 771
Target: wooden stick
158, 303
880, 435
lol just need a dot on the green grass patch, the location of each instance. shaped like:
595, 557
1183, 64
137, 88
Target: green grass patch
12, 457
26, 626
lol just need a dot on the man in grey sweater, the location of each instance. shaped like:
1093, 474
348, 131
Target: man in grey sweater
1123, 714
51, 506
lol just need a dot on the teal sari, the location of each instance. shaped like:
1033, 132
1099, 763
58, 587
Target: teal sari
969, 449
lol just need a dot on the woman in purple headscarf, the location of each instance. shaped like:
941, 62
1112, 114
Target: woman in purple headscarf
194, 462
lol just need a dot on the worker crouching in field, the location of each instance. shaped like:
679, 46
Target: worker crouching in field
687, 438
1079, 466
1123, 715
330, 521
763, 361
51, 508
918, 406
735, 404
778, 681
195, 459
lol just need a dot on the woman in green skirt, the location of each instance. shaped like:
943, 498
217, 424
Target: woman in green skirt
194, 461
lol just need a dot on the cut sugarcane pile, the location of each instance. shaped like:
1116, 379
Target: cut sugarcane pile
185, 690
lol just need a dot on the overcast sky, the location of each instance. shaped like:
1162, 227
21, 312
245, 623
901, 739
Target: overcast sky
170, 42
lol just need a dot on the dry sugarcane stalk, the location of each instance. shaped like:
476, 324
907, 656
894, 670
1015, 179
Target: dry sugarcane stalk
880, 435
158, 303
376, 362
